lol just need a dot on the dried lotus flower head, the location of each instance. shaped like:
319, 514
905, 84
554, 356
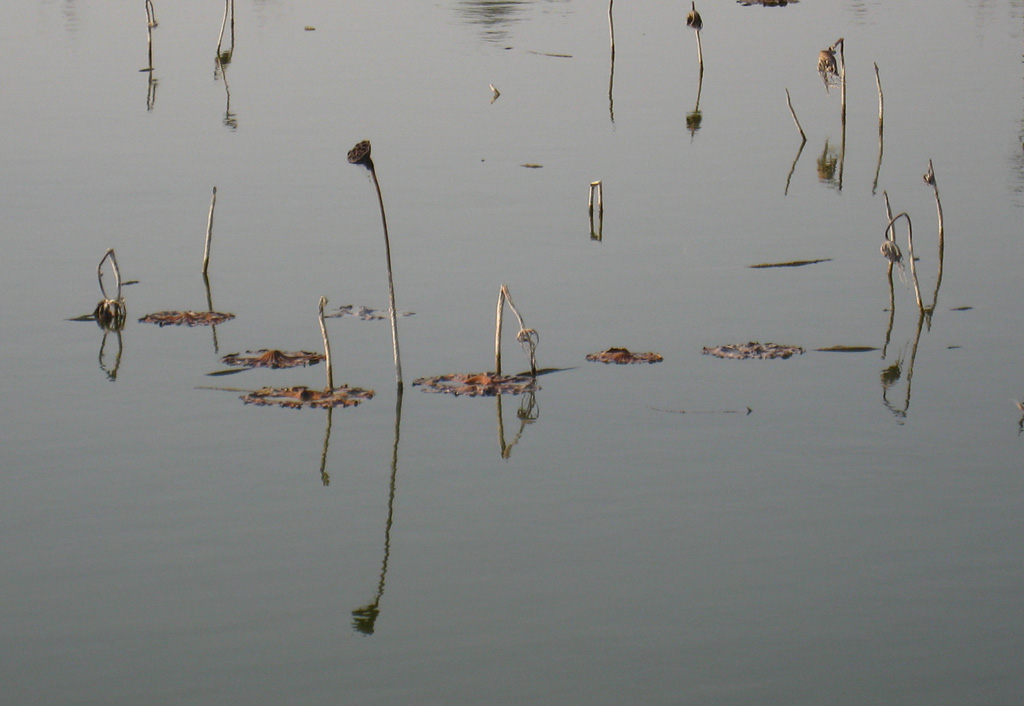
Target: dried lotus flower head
360, 154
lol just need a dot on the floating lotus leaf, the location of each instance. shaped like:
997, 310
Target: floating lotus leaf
478, 384
764, 351
767, 3
264, 358
298, 397
186, 318
364, 313
621, 356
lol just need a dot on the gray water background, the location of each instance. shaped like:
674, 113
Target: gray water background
841, 543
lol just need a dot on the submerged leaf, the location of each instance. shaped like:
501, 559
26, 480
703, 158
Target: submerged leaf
363, 312
186, 318
621, 356
264, 358
300, 396
478, 384
764, 351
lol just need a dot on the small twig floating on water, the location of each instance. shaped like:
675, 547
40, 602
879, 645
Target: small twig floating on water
793, 263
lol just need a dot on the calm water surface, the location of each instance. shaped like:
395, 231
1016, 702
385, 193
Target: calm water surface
636, 536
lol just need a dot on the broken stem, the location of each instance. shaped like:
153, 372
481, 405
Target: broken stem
795, 120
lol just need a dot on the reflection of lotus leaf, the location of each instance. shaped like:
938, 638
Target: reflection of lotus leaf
264, 358
186, 318
478, 384
764, 351
297, 397
621, 356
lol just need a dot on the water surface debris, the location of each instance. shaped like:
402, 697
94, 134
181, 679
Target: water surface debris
363, 312
762, 351
791, 263
186, 318
530, 165
622, 356
478, 384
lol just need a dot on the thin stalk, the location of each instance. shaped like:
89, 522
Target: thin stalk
209, 233
611, 70
223, 25
497, 330
327, 345
795, 120
391, 280
881, 122
360, 154
929, 177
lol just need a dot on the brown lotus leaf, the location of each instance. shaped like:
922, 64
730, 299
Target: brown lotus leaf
300, 396
621, 356
763, 351
264, 358
186, 318
767, 3
478, 384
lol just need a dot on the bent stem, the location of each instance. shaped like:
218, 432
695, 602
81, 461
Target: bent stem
109, 255
881, 122
527, 336
910, 254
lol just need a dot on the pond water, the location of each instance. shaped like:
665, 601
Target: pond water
836, 527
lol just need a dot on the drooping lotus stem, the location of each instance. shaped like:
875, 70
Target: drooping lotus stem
360, 154
110, 314
209, 232
327, 345
526, 336
693, 19
910, 255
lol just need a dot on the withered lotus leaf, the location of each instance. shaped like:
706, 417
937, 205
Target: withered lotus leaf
264, 358
186, 318
621, 356
478, 384
763, 351
300, 396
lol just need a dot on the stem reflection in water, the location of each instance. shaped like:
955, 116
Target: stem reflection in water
364, 619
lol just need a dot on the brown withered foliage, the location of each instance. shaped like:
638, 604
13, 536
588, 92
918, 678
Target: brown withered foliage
762, 351
186, 318
621, 356
478, 384
300, 396
264, 358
